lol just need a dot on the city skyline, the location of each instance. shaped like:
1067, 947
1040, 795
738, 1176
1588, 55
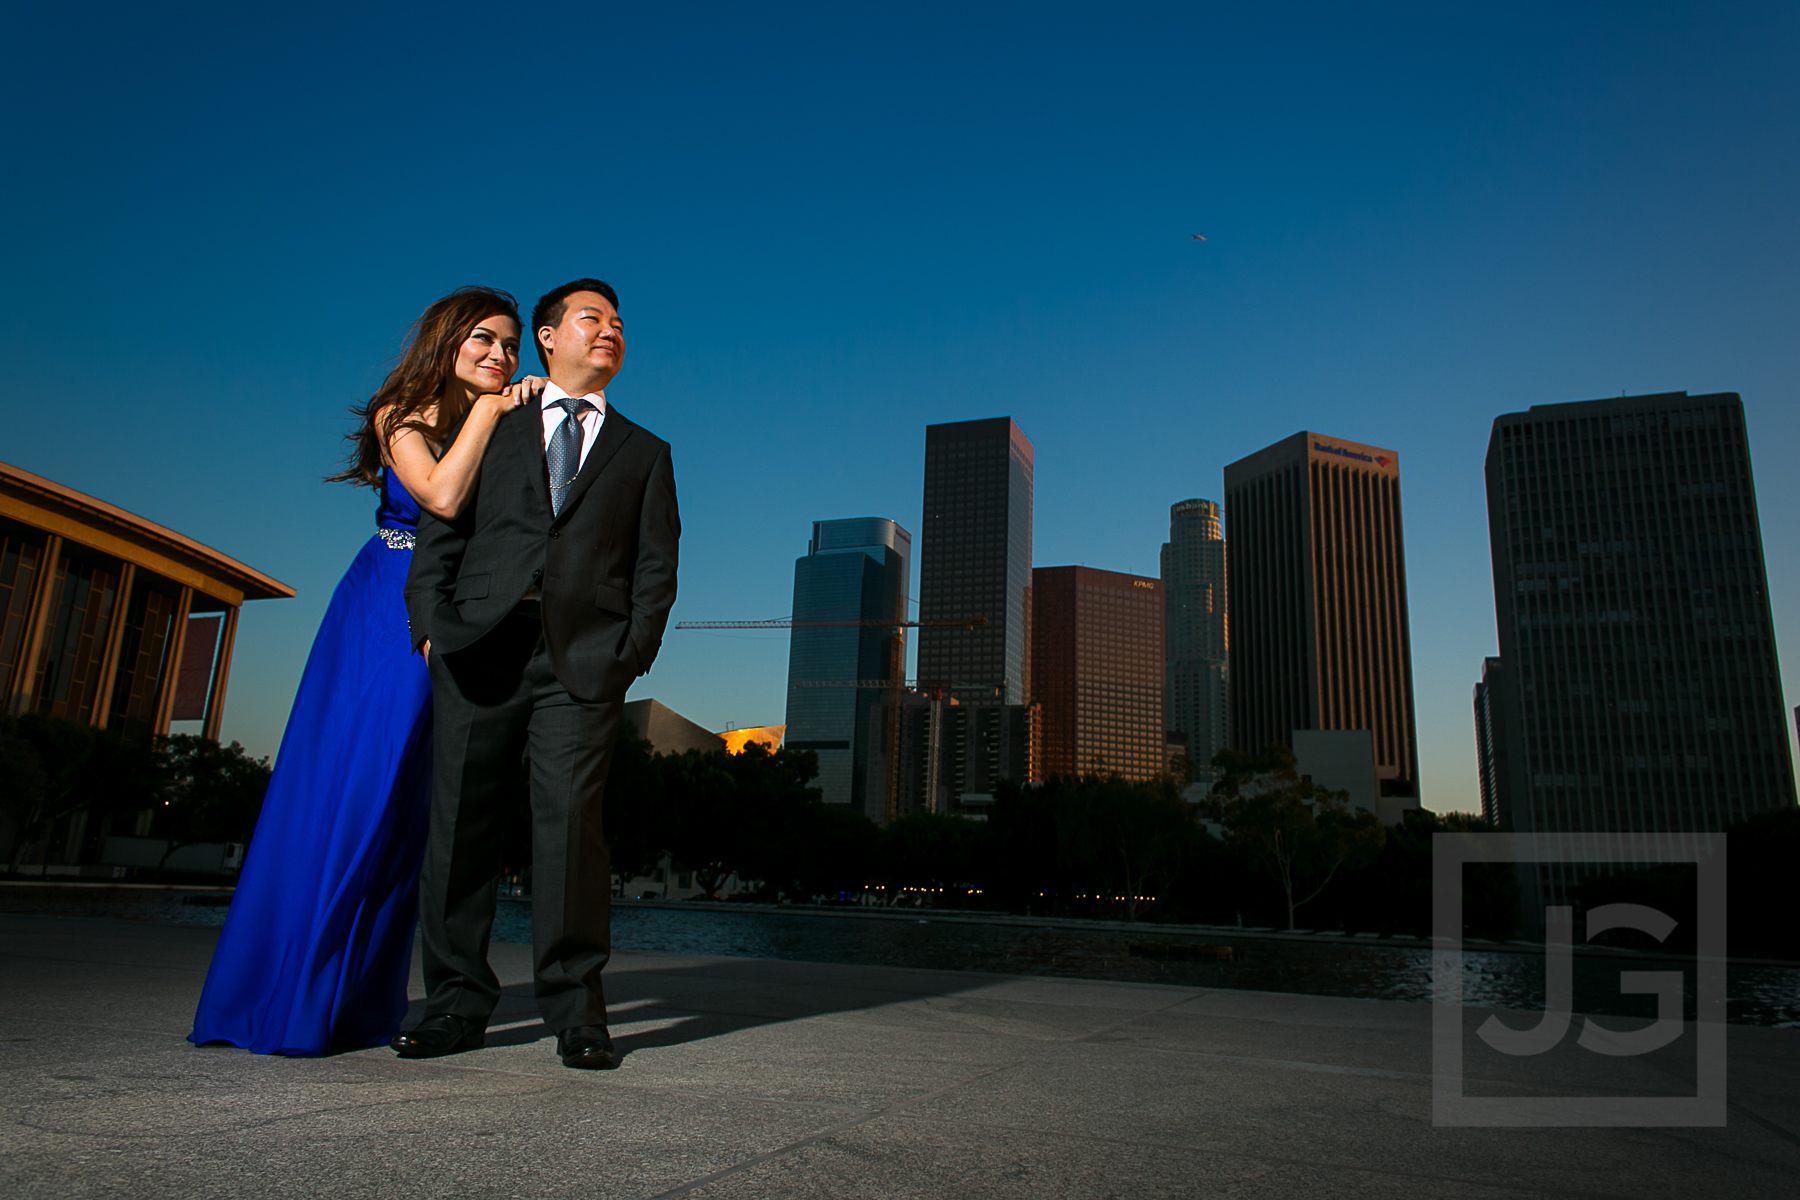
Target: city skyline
1415, 222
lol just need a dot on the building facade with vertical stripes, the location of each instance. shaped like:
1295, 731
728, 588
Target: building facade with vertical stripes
112, 621
1639, 689
1316, 596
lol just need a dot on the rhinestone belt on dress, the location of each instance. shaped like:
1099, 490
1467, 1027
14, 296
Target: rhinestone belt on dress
396, 539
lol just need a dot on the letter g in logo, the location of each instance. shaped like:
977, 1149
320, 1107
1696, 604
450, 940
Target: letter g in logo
1666, 986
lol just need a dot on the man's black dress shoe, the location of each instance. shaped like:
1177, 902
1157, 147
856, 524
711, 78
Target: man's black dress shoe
443, 1034
587, 1048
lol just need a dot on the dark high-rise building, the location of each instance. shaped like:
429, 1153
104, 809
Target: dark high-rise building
980, 742
1317, 599
975, 555
1639, 683
1194, 631
1490, 738
1097, 672
854, 569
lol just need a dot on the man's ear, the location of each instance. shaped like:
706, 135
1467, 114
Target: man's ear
546, 336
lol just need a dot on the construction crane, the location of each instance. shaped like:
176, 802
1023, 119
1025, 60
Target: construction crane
863, 623
893, 685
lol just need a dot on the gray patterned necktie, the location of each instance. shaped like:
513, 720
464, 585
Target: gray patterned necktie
563, 454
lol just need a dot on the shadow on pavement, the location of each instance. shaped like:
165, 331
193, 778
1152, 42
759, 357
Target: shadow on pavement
693, 1000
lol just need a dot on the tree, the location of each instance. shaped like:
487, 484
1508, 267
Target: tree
1239, 770
1021, 871
1392, 892
1126, 839
932, 852
777, 813
23, 782
706, 832
1302, 834
840, 856
53, 768
1149, 829
211, 793
638, 829
750, 814
1763, 850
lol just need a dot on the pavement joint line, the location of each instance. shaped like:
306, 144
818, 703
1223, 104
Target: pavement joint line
1076, 1135
1780, 1131
612, 1080
899, 1106
96, 962
614, 1083
163, 1138
90, 1025
1334, 1068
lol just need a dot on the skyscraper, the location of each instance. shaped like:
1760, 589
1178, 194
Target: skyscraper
1317, 599
1639, 685
1194, 630
979, 742
975, 555
854, 569
1490, 740
1097, 672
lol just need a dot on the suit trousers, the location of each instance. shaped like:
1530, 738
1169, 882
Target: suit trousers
493, 702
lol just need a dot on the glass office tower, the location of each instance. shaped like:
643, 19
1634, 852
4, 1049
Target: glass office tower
975, 555
854, 569
1317, 595
1195, 632
1639, 688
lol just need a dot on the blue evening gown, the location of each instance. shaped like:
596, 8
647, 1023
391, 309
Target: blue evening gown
317, 947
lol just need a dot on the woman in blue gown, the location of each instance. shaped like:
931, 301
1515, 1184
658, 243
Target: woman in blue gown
317, 946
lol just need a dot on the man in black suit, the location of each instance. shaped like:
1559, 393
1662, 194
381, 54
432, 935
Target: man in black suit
537, 607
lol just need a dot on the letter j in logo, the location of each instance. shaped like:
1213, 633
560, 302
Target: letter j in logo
1666, 986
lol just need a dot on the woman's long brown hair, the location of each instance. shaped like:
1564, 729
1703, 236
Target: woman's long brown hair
421, 379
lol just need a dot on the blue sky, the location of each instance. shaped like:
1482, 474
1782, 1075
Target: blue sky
832, 225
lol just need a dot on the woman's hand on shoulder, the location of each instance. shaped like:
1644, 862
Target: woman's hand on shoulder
513, 395
528, 389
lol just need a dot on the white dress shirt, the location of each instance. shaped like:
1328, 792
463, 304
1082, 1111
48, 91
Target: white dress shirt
591, 420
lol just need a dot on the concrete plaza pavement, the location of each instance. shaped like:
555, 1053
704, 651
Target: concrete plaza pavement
751, 1078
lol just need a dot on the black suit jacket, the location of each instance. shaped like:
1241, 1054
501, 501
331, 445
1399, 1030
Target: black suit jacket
604, 566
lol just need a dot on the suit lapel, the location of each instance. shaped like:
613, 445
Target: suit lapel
615, 431
528, 438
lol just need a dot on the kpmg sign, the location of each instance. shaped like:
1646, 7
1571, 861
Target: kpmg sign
1380, 460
